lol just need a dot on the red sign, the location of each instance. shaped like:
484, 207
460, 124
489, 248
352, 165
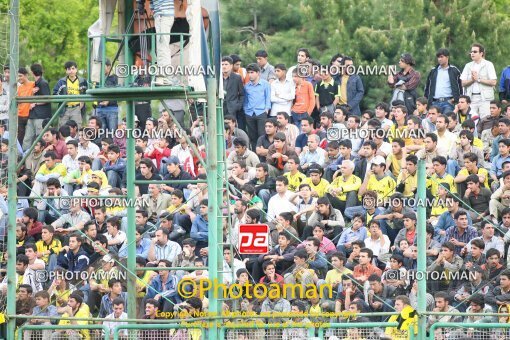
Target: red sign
253, 239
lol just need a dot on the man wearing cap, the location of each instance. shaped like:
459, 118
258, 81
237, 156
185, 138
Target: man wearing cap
479, 79
267, 71
176, 173
443, 86
377, 180
257, 103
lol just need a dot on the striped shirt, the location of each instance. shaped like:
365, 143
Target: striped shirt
162, 7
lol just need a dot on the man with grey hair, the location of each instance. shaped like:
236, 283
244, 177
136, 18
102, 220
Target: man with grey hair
312, 153
343, 191
155, 201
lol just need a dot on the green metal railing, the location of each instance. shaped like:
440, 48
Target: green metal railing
323, 331
137, 328
105, 332
475, 331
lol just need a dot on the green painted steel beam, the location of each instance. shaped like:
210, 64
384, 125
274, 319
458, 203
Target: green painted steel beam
122, 94
421, 233
11, 167
130, 180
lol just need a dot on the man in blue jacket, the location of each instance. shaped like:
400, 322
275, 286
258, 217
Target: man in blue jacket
443, 86
163, 288
73, 257
351, 86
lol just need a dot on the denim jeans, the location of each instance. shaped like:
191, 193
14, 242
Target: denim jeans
452, 167
297, 118
444, 106
109, 116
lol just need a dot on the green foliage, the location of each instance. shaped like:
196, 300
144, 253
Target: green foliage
374, 32
55, 31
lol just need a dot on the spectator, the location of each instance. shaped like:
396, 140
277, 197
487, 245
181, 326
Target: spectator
283, 91
405, 82
234, 92
257, 103
479, 79
71, 85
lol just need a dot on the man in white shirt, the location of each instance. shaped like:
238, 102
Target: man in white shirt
115, 236
281, 201
118, 314
86, 148
312, 153
70, 160
377, 242
162, 248
446, 140
283, 92
479, 79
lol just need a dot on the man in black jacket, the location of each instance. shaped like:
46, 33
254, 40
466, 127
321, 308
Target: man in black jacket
38, 111
234, 92
443, 86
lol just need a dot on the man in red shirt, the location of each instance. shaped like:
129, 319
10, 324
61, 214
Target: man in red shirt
25, 89
304, 101
365, 268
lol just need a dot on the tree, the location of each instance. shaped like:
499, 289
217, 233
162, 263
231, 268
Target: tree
373, 32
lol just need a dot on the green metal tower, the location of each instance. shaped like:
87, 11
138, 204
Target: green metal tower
215, 161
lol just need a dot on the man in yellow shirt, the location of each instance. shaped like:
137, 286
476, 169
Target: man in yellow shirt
471, 168
440, 176
48, 247
377, 180
75, 309
294, 176
343, 191
318, 184
394, 159
407, 180
50, 169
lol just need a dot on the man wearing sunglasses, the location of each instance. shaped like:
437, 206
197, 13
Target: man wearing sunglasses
479, 78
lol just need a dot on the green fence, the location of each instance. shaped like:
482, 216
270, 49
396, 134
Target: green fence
354, 330
475, 331
161, 331
46, 332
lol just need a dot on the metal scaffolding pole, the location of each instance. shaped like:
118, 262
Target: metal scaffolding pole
215, 262
11, 168
422, 251
131, 192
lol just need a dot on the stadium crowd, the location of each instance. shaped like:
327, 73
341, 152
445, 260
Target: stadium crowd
337, 185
